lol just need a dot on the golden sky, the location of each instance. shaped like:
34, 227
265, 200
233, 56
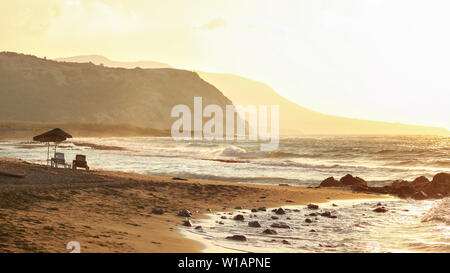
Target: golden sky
372, 59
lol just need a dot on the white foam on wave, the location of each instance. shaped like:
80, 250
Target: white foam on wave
230, 151
440, 212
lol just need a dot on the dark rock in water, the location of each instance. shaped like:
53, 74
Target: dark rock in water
380, 210
312, 230
280, 211
329, 182
262, 209
289, 201
307, 220
184, 213
381, 190
441, 177
312, 206
254, 224
327, 214
270, 232
283, 185
220, 223
254, 210
187, 223
223, 217
296, 210
419, 188
158, 211
275, 218
349, 180
420, 180
359, 188
238, 207
440, 184
334, 205
420, 195
239, 217
400, 183
198, 227
285, 242
241, 238
279, 225
404, 191
312, 214
401, 188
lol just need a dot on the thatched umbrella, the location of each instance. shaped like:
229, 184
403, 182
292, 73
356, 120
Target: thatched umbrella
56, 135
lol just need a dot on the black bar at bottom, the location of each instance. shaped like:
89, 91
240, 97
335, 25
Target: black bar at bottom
227, 262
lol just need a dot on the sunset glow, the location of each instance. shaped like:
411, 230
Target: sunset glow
389, 59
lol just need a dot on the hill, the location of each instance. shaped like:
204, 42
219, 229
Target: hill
295, 119
40, 90
101, 60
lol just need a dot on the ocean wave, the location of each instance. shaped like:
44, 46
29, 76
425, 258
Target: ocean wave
415, 163
289, 163
441, 164
404, 163
230, 151
234, 151
252, 179
386, 151
440, 212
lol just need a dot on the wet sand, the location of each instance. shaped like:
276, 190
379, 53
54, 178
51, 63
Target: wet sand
112, 211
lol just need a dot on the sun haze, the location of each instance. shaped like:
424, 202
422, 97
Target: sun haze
369, 59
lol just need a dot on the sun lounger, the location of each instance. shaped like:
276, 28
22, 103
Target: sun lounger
59, 159
80, 162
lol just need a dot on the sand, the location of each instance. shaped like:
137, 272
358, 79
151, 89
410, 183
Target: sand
112, 211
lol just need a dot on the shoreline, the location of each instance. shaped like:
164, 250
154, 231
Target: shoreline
211, 247
112, 211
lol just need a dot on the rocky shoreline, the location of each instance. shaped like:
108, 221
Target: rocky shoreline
420, 188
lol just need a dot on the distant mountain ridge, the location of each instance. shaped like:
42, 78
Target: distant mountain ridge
295, 119
101, 60
40, 90
34, 89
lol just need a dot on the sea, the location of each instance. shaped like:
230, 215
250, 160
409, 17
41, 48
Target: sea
408, 226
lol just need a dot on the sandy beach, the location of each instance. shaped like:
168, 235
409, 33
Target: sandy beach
112, 211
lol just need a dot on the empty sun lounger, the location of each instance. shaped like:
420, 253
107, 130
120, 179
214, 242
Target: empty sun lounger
59, 159
80, 162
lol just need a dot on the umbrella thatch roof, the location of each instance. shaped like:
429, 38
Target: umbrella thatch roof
55, 135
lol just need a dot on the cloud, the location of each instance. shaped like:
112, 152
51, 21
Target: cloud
215, 23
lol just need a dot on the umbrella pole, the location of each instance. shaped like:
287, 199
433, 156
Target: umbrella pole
48, 152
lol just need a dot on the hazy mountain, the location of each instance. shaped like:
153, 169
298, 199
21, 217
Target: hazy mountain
40, 90
101, 60
294, 119
297, 119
